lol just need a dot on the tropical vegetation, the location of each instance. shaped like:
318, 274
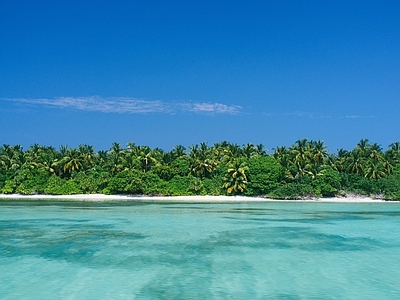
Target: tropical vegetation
305, 169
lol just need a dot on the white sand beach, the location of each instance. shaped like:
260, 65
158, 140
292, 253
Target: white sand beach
189, 199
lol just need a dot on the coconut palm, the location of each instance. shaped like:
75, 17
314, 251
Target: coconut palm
314, 169
375, 170
231, 153
87, 155
356, 162
178, 151
300, 154
261, 150
249, 151
11, 157
284, 158
338, 162
116, 158
201, 161
43, 158
235, 180
319, 151
147, 157
71, 161
393, 153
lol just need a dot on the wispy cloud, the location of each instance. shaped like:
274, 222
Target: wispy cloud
357, 117
310, 115
130, 105
210, 108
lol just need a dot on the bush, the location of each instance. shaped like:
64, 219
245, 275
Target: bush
391, 186
293, 191
213, 186
327, 184
179, 185
59, 186
8, 187
153, 185
264, 175
92, 181
358, 184
125, 182
181, 167
3, 179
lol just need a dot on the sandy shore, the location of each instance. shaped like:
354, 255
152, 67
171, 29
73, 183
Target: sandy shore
109, 198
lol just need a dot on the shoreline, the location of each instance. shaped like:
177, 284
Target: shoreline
187, 199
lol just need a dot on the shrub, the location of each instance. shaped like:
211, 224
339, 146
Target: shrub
327, 184
125, 182
8, 187
59, 186
293, 191
92, 181
264, 175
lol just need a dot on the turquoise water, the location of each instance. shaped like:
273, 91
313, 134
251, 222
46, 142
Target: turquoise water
275, 250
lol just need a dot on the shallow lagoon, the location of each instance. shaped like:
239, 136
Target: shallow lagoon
138, 250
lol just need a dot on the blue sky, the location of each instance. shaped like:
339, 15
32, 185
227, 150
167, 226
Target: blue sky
163, 73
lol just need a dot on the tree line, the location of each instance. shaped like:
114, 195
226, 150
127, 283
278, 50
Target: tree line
305, 169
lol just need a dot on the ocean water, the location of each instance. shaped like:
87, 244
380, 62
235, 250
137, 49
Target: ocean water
274, 250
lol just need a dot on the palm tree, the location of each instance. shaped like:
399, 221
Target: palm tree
283, 157
261, 150
147, 157
338, 162
314, 169
249, 151
235, 180
70, 161
87, 155
131, 147
300, 154
179, 151
11, 157
201, 161
231, 153
42, 158
356, 162
363, 147
116, 157
319, 151
375, 170
393, 153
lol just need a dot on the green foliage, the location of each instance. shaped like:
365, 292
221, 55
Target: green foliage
31, 180
328, 184
303, 169
181, 166
8, 187
197, 187
165, 172
27, 187
92, 182
3, 178
60, 186
391, 186
179, 185
264, 175
359, 184
153, 185
125, 182
235, 179
293, 190
212, 186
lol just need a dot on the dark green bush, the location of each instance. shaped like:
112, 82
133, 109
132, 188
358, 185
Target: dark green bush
264, 175
293, 191
59, 186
